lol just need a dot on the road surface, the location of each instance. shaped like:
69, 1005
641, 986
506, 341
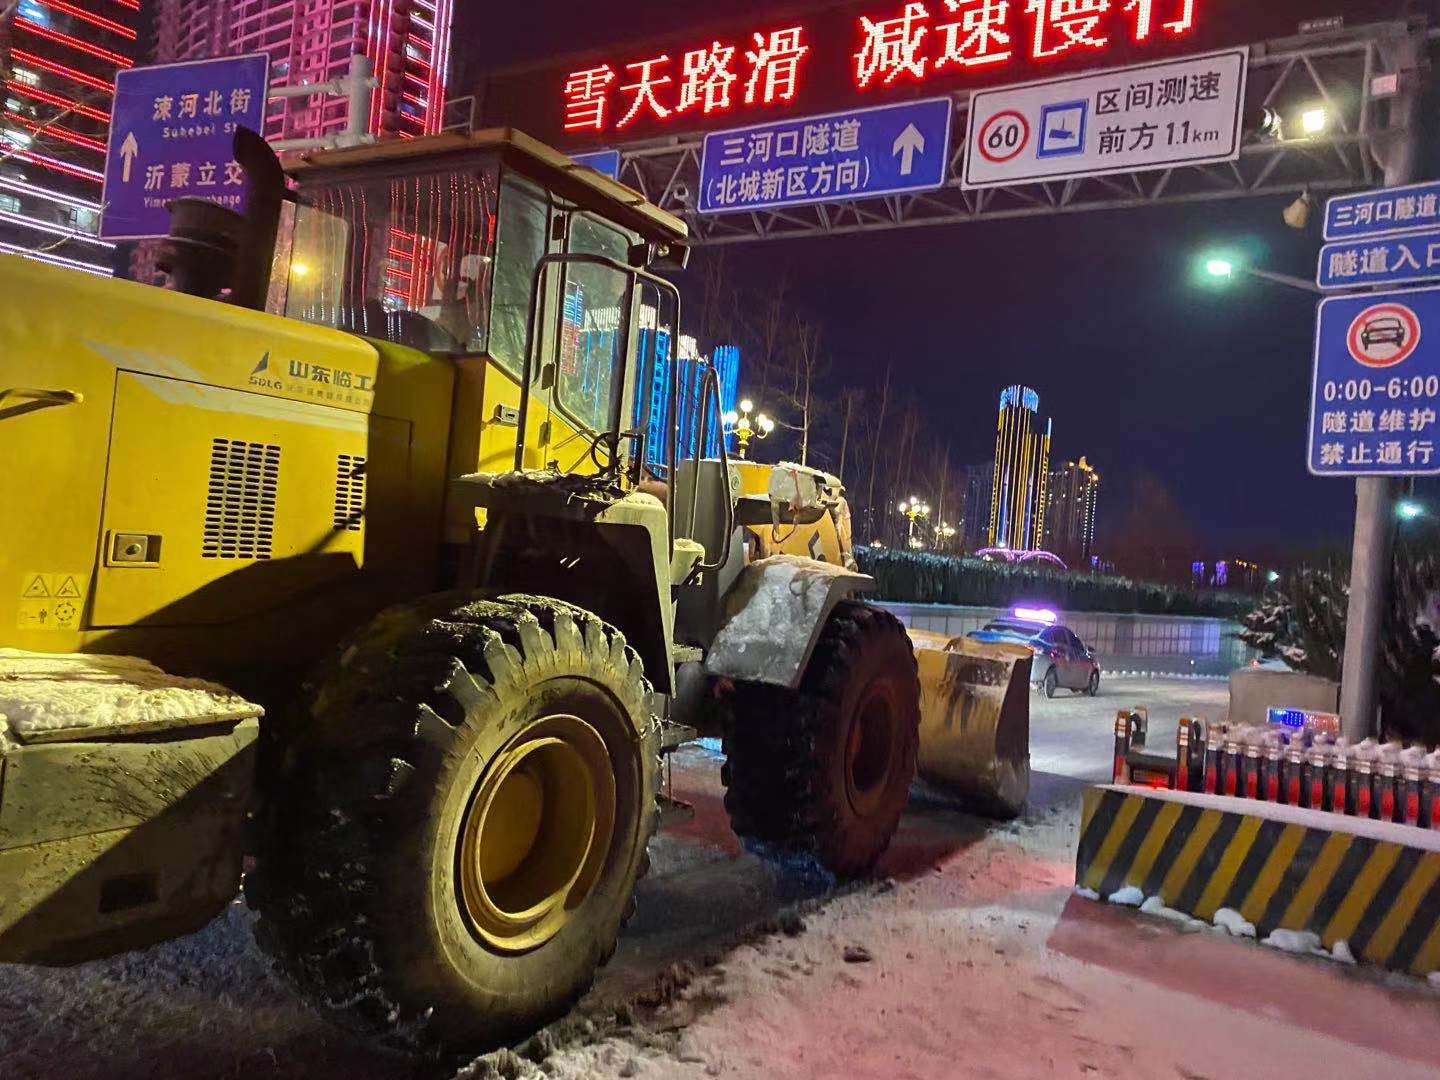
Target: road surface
980, 963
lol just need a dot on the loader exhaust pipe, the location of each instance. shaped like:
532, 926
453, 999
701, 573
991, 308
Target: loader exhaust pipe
212, 248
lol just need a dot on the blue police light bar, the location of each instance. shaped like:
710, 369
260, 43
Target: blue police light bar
1290, 718
1304, 720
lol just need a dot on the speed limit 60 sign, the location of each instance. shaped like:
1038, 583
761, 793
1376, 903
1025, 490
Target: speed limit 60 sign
1375, 402
1003, 137
1150, 116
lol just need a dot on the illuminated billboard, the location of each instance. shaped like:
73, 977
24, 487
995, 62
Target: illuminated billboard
851, 56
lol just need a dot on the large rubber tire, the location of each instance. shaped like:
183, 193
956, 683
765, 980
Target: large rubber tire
361, 883
826, 769
1051, 683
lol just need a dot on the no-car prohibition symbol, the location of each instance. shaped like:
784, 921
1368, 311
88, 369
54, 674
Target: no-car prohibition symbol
1004, 136
1384, 335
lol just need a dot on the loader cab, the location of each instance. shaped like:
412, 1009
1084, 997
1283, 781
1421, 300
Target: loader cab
492, 253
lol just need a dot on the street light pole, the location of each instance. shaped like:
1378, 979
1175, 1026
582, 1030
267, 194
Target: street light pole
1374, 546
1226, 269
1288, 280
914, 510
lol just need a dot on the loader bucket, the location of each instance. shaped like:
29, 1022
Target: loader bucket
975, 721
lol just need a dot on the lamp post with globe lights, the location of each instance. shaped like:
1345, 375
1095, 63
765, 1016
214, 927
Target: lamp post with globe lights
915, 510
748, 424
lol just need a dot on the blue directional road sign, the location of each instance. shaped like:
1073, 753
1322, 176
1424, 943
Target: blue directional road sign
1380, 260
172, 134
831, 158
602, 161
1389, 210
1376, 394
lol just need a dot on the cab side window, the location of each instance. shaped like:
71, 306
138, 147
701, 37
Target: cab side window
520, 242
595, 329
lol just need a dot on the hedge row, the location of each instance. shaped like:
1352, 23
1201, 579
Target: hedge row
917, 578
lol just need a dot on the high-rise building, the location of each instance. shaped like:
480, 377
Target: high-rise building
1022, 472
973, 517
311, 41
61, 57
1073, 493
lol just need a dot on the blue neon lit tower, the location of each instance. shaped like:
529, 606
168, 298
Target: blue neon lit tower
656, 384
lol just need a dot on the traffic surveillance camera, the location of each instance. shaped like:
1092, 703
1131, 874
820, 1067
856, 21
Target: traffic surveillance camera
1265, 123
1297, 214
681, 193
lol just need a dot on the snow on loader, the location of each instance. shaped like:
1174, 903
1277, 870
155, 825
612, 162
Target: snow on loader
346, 553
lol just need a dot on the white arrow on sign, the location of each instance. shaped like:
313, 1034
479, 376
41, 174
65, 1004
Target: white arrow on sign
909, 143
128, 149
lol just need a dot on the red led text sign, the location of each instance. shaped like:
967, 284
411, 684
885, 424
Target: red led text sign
923, 40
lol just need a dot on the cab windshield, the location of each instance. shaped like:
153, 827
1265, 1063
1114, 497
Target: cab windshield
446, 262
405, 258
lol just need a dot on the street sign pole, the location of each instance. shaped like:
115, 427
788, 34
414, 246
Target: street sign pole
1374, 546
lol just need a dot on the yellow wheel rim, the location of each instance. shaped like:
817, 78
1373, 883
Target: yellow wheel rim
537, 833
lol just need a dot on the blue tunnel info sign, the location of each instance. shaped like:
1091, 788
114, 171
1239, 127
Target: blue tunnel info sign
1376, 395
858, 154
172, 134
1380, 260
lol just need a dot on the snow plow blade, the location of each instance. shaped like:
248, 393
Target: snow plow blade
124, 794
975, 721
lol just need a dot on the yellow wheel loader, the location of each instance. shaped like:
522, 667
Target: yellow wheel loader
346, 554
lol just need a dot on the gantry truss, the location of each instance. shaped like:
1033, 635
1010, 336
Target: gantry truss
1336, 70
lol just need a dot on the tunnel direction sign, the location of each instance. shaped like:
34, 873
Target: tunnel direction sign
1383, 212
1375, 397
1380, 260
1149, 116
172, 133
858, 154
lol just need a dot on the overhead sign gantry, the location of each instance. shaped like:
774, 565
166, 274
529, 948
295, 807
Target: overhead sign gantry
1150, 116
658, 103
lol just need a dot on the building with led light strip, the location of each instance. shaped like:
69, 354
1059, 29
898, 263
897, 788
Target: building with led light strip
61, 56
311, 41
1070, 512
1022, 472
407, 41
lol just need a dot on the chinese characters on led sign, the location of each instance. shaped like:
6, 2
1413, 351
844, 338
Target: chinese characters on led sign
706, 82
926, 38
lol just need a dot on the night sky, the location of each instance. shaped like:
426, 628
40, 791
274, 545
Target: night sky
1140, 366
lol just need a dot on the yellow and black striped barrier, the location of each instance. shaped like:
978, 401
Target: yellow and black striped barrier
1279, 867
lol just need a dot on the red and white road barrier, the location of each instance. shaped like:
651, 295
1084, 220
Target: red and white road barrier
1308, 766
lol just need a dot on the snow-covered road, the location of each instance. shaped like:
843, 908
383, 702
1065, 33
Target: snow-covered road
970, 958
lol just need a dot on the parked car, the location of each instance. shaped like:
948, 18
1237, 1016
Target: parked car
1061, 658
